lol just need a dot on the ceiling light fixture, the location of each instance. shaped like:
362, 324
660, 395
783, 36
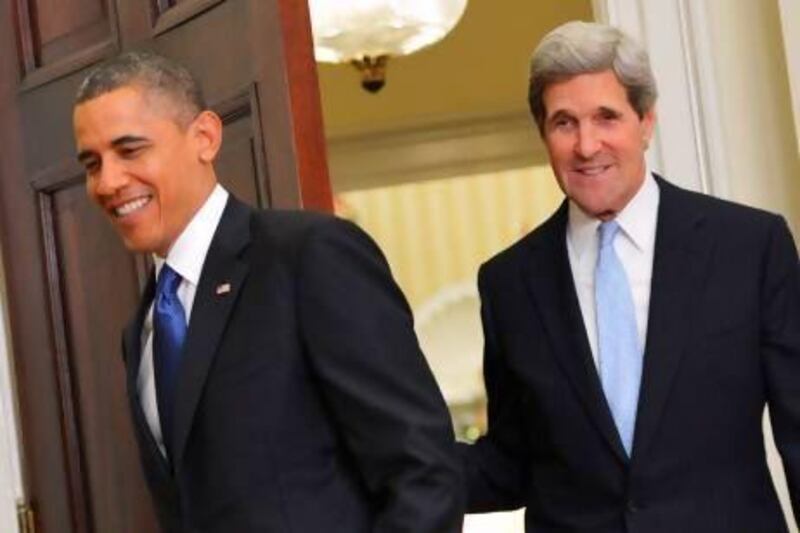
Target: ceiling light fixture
366, 33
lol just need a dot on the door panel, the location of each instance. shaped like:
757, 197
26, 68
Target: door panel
95, 282
241, 162
60, 29
71, 283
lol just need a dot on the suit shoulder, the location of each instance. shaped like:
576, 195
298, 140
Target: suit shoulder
512, 257
288, 231
287, 223
507, 257
728, 214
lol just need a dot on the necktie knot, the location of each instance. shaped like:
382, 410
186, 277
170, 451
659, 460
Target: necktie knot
168, 281
608, 230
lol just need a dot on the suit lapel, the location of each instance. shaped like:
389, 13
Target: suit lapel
223, 274
680, 267
132, 352
132, 335
549, 278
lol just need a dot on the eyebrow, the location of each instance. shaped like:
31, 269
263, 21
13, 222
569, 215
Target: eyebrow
558, 114
128, 139
566, 114
611, 110
83, 155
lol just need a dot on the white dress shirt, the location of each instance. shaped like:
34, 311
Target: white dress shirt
635, 247
186, 257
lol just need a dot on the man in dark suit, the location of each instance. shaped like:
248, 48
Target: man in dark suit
634, 338
274, 377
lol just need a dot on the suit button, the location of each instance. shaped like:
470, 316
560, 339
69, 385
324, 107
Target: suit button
633, 506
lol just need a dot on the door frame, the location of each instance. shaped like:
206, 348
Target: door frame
294, 104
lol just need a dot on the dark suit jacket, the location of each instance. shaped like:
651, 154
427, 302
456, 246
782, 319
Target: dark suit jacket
303, 402
723, 339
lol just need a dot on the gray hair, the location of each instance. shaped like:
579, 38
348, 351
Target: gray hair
585, 47
150, 72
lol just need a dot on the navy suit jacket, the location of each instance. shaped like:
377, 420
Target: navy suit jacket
723, 340
303, 402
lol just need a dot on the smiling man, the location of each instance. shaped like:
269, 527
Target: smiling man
634, 338
148, 162
274, 378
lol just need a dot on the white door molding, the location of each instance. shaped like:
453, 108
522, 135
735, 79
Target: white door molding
11, 490
790, 24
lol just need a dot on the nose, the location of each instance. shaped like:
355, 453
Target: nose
587, 143
109, 179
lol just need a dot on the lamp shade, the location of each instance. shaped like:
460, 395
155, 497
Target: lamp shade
348, 30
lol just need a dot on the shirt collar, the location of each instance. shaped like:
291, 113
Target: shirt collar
187, 255
637, 220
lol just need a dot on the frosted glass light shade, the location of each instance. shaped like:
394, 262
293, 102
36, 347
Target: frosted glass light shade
347, 30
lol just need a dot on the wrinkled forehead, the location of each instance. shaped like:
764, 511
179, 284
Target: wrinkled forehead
587, 91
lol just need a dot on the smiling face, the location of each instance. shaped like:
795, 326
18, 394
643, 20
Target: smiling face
147, 172
596, 141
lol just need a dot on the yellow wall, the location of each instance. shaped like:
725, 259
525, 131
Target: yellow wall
754, 97
437, 233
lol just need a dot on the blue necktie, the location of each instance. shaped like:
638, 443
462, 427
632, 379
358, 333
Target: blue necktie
169, 333
617, 338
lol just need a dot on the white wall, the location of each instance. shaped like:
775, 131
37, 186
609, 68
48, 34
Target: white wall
790, 21
755, 99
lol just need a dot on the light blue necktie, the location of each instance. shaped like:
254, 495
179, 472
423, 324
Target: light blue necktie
169, 334
618, 341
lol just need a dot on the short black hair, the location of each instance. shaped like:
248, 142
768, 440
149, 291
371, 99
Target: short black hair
151, 72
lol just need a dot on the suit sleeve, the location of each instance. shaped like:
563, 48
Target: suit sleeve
360, 340
495, 466
780, 345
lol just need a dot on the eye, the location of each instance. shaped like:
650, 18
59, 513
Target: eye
607, 115
562, 122
91, 165
130, 152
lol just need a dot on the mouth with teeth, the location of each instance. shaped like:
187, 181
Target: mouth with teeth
131, 206
594, 170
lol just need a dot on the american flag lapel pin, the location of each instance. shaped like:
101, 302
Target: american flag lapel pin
223, 288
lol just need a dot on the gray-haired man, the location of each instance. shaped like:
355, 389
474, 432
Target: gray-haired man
633, 339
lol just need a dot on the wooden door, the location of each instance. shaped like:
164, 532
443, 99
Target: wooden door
71, 284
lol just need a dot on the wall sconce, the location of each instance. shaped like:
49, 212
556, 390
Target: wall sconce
365, 33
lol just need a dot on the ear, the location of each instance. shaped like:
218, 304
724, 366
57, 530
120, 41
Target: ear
207, 133
648, 125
